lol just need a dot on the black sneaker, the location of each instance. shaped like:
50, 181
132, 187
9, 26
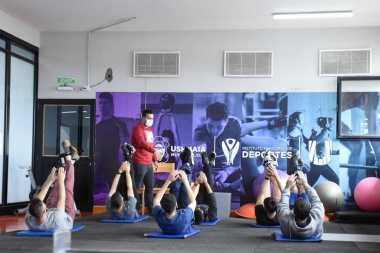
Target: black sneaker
211, 158
205, 159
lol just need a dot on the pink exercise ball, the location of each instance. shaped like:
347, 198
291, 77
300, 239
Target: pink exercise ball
367, 195
331, 196
259, 180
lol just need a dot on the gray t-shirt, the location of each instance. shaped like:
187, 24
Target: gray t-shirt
129, 212
56, 220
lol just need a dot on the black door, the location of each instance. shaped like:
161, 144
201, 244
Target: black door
72, 120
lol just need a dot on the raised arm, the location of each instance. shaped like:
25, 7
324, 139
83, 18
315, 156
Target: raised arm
50, 180
278, 185
195, 187
190, 194
61, 190
264, 191
247, 128
129, 180
116, 179
172, 177
157, 123
173, 124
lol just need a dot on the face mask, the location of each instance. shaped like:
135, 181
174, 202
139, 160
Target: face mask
149, 123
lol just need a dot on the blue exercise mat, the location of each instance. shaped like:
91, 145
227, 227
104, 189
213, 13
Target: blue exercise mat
44, 233
210, 223
161, 234
140, 218
280, 237
264, 226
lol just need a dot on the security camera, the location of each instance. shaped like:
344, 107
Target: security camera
109, 75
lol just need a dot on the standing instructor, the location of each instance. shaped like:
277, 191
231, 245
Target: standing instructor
144, 156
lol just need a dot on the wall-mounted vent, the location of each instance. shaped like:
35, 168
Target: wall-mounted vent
347, 62
248, 64
156, 64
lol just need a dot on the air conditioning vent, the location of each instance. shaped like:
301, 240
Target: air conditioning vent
347, 62
156, 64
248, 64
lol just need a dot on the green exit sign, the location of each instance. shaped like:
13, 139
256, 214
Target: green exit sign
66, 80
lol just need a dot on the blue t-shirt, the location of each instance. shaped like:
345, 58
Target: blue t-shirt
179, 224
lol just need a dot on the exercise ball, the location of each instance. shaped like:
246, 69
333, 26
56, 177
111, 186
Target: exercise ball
259, 180
331, 195
367, 195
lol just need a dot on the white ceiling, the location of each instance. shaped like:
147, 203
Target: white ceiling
166, 15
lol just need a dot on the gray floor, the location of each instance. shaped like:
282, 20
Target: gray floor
229, 235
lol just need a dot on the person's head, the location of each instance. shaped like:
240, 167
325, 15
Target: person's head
296, 119
198, 216
147, 118
167, 102
325, 122
270, 204
168, 203
116, 200
106, 104
301, 209
187, 156
216, 118
37, 208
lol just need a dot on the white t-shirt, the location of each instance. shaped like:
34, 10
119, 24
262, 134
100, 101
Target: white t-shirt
56, 220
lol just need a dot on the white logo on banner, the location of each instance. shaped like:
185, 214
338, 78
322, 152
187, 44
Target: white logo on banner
325, 158
230, 149
161, 145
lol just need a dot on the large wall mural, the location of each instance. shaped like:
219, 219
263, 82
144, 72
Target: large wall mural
287, 123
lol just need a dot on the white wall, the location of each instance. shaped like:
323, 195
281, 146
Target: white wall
296, 54
19, 29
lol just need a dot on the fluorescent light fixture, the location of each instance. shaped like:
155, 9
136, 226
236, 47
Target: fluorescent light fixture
70, 112
323, 14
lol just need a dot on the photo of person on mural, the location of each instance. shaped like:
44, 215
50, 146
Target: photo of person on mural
111, 133
166, 130
311, 133
221, 133
255, 144
318, 145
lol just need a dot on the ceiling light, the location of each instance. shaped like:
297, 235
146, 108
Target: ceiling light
324, 14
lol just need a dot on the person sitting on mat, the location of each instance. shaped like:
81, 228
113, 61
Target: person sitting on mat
206, 209
117, 207
266, 205
169, 219
59, 211
305, 219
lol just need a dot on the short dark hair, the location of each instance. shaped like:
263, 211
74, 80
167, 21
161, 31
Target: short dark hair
301, 209
293, 120
116, 200
35, 208
106, 95
145, 112
185, 155
217, 111
168, 203
198, 216
270, 204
